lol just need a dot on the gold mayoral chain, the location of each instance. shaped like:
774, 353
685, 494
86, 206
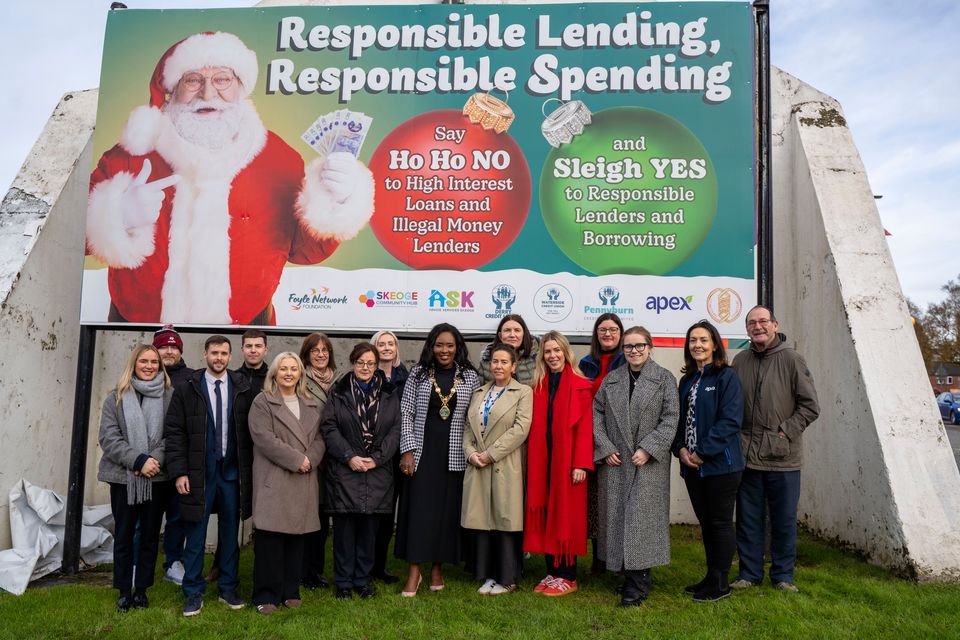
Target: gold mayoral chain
444, 399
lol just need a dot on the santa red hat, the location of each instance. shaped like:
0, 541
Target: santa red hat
200, 50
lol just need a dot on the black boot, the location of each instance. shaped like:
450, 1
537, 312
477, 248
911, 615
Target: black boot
636, 588
717, 588
691, 589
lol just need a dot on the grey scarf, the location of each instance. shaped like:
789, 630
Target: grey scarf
144, 420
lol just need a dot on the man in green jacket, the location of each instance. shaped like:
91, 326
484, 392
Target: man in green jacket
780, 401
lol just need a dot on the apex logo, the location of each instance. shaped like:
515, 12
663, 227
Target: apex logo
451, 299
673, 303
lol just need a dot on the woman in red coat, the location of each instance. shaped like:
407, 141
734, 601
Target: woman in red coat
559, 455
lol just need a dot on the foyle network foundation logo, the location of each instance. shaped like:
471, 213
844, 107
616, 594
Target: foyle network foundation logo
316, 298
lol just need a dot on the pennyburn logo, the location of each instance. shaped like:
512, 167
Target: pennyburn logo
671, 303
609, 296
316, 299
389, 298
451, 300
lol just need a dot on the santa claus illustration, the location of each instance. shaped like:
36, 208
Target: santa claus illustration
199, 207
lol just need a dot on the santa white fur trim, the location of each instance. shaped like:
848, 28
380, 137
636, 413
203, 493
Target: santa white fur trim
139, 136
108, 239
218, 49
325, 218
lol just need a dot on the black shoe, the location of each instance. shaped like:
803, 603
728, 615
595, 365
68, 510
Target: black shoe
232, 600
366, 591
124, 603
193, 605
315, 583
632, 599
712, 594
691, 589
344, 594
140, 601
619, 589
385, 578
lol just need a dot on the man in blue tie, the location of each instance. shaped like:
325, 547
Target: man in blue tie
210, 454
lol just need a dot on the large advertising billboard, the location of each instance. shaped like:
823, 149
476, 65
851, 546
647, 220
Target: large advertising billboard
357, 168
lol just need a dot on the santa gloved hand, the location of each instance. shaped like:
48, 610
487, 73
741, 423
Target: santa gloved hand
340, 175
140, 204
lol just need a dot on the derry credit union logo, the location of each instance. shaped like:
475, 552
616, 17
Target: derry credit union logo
389, 298
316, 298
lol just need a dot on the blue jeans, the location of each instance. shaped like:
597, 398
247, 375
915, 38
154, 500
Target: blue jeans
778, 492
226, 494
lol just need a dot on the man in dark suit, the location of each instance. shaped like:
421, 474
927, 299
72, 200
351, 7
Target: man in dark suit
210, 455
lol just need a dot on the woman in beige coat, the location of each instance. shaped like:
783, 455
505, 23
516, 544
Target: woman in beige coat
498, 422
287, 447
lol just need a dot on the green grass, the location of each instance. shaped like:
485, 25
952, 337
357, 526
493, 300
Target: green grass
841, 597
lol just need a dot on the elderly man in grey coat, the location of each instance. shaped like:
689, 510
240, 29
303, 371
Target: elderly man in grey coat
635, 414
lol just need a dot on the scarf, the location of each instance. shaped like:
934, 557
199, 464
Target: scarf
367, 405
690, 427
551, 508
323, 378
144, 420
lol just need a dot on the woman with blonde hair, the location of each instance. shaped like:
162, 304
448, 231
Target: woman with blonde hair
287, 448
131, 437
559, 455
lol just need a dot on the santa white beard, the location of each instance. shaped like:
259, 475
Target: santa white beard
211, 130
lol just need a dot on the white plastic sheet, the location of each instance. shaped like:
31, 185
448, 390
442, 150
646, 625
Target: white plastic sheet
37, 518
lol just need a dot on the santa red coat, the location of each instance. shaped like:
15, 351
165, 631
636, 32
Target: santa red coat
225, 231
555, 521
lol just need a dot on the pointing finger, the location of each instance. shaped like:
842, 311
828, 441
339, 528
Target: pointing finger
145, 170
163, 183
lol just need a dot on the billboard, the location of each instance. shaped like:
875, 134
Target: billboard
353, 168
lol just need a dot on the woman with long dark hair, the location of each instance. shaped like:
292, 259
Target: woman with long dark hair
284, 425
131, 438
708, 444
362, 429
559, 457
320, 369
634, 422
433, 411
513, 331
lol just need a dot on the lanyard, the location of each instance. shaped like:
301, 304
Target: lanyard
488, 403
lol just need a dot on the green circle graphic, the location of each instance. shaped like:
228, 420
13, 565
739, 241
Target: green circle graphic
642, 222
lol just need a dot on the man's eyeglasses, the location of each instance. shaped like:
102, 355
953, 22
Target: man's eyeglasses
762, 322
365, 365
194, 82
640, 346
608, 330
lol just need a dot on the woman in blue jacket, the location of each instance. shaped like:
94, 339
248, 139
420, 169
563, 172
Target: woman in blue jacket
708, 445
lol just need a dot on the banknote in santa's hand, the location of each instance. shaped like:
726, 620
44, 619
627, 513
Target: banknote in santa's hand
341, 130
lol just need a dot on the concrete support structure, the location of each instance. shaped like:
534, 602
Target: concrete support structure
879, 473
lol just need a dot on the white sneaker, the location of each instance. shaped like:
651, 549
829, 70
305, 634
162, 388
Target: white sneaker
486, 587
175, 573
499, 589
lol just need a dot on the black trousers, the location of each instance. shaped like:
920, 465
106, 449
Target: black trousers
277, 560
315, 553
354, 537
557, 568
126, 517
713, 499
385, 527
496, 556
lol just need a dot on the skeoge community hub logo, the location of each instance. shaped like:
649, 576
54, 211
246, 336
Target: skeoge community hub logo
389, 298
609, 297
317, 298
456, 300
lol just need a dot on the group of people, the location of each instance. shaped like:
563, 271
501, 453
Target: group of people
531, 452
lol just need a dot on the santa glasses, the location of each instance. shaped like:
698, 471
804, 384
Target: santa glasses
193, 82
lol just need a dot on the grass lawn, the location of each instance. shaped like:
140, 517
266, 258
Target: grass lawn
841, 597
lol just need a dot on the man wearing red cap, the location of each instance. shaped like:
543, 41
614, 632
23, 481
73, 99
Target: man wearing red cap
199, 207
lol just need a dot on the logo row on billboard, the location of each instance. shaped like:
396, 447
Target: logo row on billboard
552, 302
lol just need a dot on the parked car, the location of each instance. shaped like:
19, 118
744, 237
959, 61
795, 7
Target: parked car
949, 403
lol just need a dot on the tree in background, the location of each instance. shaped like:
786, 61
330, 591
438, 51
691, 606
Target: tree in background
938, 329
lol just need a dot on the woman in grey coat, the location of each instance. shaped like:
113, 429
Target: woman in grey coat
131, 437
635, 416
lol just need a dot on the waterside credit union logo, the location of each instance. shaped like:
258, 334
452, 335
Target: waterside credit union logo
317, 298
389, 298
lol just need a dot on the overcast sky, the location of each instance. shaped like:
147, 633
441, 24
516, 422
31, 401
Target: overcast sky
891, 64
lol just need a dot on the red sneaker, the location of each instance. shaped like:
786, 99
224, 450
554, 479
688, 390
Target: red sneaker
543, 584
560, 587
